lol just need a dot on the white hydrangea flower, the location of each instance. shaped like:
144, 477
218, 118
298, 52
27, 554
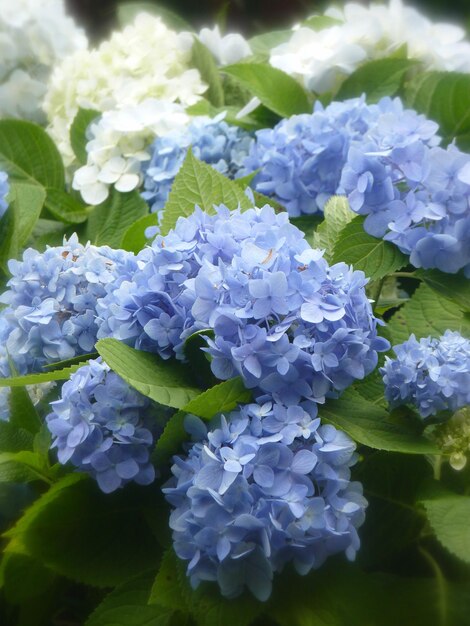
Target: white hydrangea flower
34, 36
228, 49
145, 60
320, 59
119, 142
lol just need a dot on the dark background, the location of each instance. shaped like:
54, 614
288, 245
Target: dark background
247, 16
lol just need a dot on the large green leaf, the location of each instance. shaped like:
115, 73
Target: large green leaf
203, 60
455, 287
37, 379
128, 605
95, 538
24, 467
28, 153
449, 517
23, 578
221, 398
109, 221
78, 138
14, 438
426, 313
167, 382
445, 98
278, 91
376, 79
375, 257
200, 184
367, 423
134, 238
337, 215
261, 45
23, 413
65, 207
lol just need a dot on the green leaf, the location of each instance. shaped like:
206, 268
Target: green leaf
81, 359
24, 578
319, 22
367, 423
109, 221
221, 398
78, 138
454, 287
134, 239
14, 439
28, 153
128, 11
37, 379
24, 467
445, 98
26, 202
307, 224
93, 538
203, 60
23, 413
128, 605
65, 208
278, 91
166, 382
376, 79
200, 184
375, 257
372, 388
427, 314
337, 215
449, 517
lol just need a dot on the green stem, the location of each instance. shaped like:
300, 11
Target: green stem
437, 465
440, 583
404, 275
377, 293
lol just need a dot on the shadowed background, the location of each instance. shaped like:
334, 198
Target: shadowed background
247, 16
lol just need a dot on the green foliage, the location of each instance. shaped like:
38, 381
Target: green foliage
23, 413
200, 184
93, 538
337, 215
65, 208
23, 578
221, 398
375, 257
449, 517
261, 45
128, 605
288, 98
454, 287
167, 382
134, 238
427, 314
110, 220
445, 98
36, 379
203, 60
376, 79
78, 138
367, 423
24, 467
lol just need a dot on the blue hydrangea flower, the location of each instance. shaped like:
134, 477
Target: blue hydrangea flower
103, 427
212, 140
4, 189
52, 300
261, 491
282, 318
432, 374
302, 158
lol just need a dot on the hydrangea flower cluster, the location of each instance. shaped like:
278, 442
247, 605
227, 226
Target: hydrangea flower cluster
119, 141
414, 195
103, 427
357, 33
282, 318
212, 140
52, 297
432, 374
302, 158
453, 438
261, 491
145, 60
226, 49
4, 190
34, 36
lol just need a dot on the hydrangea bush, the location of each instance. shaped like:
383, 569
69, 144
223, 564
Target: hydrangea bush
234, 324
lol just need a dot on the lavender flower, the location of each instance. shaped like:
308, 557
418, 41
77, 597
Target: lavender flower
432, 374
250, 498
